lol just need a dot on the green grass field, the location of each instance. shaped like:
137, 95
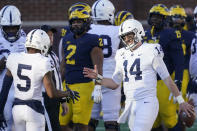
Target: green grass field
124, 127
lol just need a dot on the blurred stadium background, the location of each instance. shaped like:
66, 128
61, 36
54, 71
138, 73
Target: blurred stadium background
54, 13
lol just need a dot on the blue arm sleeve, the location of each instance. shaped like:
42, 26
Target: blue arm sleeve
7, 82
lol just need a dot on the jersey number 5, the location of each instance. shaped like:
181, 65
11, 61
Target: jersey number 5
136, 65
23, 77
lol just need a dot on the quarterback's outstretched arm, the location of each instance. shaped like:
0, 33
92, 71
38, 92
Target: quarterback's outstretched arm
93, 74
161, 69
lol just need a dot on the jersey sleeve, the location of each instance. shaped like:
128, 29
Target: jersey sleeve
158, 51
48, 65
160, 67
9, 61
97, 41
117, 75
158, 63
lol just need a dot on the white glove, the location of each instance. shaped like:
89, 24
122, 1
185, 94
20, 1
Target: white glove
171, 96
97, 94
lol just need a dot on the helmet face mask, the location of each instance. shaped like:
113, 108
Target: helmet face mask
131, 33
10, 18
11, 33
178, 16
103, 10
38, 39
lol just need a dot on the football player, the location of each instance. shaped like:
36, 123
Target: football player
29, 71
120, 17
177, 21
137, 66
66, 30
12, 39
106, 100
170, 41
80, 49
178, 17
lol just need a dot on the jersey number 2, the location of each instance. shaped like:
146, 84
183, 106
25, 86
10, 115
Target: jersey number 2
136, 65
23, 77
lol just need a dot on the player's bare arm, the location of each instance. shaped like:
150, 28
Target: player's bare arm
97, 58
184, 106
50, 89
93, 74
52, 92
62, 68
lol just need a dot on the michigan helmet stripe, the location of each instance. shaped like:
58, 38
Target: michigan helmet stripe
122, 16
119, 17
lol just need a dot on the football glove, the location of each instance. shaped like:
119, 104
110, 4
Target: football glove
3, 123
73, 95
97, 94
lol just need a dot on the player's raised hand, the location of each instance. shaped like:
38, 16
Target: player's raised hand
90, 73
3, 123
74, 95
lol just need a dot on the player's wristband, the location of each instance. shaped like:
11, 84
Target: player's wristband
99, 78
180, 99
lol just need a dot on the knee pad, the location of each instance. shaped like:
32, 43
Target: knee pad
93, 123
112, 125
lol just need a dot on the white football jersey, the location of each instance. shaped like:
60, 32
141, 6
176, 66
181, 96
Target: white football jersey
7, 47
28, 71
111, 41
193, 59
136, 71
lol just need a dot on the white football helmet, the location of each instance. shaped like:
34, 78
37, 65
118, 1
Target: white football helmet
103, 10
10, 20
129, 26
38, 39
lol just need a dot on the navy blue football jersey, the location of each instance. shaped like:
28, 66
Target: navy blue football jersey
77, 55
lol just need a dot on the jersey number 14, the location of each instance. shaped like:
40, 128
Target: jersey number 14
137, 72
